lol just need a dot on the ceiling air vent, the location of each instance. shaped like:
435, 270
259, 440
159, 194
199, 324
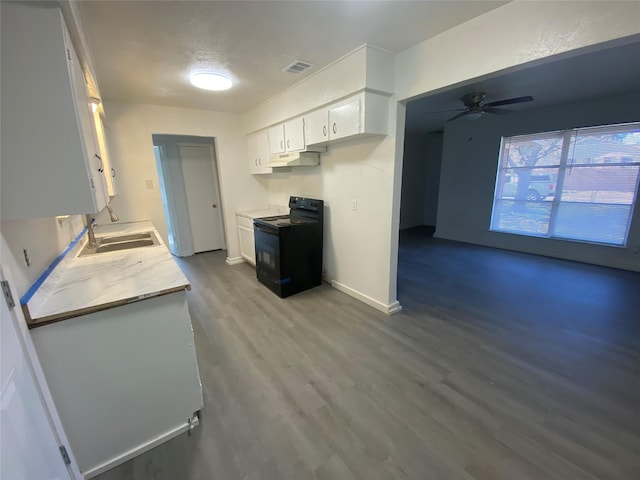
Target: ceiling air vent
297, 67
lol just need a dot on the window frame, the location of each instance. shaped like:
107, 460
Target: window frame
569, 139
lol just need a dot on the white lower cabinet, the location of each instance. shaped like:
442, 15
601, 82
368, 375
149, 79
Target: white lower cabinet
123, 380
247, 241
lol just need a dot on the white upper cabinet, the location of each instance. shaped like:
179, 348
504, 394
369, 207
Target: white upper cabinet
287, 137
344, 121
360, 115
109, 170
258, 147
50, 159
276, 139
294, 135
316, 127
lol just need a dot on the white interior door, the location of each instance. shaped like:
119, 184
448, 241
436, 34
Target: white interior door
29, 444
203, 199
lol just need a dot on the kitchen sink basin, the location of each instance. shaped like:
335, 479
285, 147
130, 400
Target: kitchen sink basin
125, 238
120, 242
114, 247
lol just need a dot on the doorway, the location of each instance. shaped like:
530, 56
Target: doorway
190, 187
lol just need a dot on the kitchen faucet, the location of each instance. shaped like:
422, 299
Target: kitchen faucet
91, 234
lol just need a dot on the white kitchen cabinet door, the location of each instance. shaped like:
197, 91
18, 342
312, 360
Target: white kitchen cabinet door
316, 127
49, 166
294, 135
247, 244
103, 147
344, 121
276, 139
95, 162
258, 148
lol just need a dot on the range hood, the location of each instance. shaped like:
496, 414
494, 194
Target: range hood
294, 159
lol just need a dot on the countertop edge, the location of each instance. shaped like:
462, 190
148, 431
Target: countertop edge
48, 320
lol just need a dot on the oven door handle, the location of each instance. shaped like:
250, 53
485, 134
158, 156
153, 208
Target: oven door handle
267, 230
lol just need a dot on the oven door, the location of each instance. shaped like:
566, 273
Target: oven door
267, 243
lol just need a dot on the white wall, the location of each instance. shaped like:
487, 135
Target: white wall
414, 179
43, 238
469, 164
420, 179
511, 36
130, 129
356, 243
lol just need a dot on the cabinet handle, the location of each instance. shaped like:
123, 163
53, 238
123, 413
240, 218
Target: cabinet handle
100, 165
288, 143
113, 173
335, 130
281, 144
324, 130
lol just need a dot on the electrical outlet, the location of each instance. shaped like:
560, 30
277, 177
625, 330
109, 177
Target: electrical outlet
148, 184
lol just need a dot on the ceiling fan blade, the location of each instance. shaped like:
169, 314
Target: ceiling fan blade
445, 111
510, 101
496, 111
455, 117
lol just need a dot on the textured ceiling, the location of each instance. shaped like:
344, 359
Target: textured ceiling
144, 51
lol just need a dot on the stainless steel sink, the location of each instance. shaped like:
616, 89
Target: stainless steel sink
125, 238
120, 242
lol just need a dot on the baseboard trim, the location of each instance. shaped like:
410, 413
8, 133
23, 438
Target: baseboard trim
389, 309
134, 452
234, 260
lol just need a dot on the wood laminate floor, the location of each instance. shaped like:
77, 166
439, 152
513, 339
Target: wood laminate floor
501, 366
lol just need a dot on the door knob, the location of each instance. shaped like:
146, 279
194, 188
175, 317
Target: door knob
214, 205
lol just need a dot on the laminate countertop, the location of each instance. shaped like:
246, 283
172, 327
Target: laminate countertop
271, 211
80, 285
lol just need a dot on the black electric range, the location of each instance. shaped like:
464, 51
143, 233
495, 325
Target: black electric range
289, 247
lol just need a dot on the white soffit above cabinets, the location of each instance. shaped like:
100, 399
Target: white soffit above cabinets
144, 51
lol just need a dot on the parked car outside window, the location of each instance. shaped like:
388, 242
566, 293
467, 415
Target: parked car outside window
540, 186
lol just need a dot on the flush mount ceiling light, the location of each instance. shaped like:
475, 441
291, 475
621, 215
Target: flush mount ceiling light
210, 81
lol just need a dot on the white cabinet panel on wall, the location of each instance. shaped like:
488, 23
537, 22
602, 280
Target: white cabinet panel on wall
287, 137
109, 170
294, 135
360, 115
50, 163
316, 125
247, 239
258, 148
276, 139
344, 121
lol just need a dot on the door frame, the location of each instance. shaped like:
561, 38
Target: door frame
173, 188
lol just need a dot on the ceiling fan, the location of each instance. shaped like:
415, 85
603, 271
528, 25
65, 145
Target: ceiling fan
475, 106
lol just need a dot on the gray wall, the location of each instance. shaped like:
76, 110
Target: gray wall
469, 163
420, 179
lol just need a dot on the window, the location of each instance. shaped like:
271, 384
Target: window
576, 185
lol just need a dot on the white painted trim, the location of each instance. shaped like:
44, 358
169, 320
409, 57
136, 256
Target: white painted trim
134, 452
390, 309
234, 260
